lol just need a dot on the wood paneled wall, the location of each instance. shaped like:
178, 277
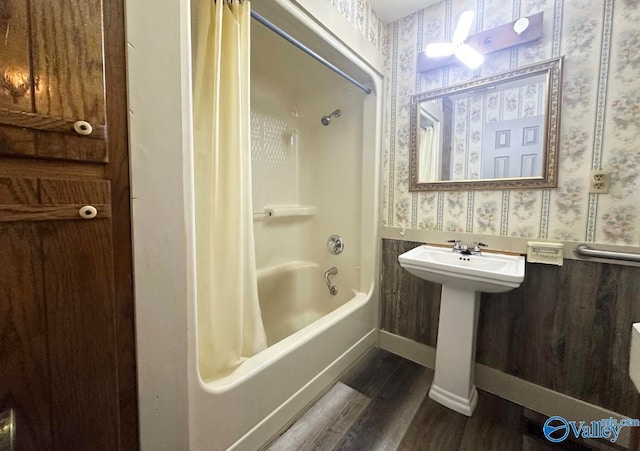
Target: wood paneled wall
566, 328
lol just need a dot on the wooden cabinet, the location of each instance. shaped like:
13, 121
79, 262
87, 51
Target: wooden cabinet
67, 354
52, 75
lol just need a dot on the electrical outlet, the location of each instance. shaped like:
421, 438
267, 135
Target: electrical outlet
599, 181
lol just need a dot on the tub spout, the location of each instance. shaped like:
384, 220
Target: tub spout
333, 290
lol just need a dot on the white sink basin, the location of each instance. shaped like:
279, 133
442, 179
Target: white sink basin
487, 272
462, 277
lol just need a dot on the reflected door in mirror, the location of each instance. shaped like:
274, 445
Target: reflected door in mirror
495, 132
512, 148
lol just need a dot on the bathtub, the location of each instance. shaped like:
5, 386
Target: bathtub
293, 295
247, 406
325, 177
312, 336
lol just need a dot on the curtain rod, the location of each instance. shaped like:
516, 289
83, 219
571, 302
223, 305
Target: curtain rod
307, 50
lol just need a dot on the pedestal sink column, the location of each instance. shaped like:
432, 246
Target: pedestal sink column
453, 384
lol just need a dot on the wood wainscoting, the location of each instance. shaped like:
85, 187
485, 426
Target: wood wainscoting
566, 328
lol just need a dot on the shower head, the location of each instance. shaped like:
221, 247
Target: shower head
326, 120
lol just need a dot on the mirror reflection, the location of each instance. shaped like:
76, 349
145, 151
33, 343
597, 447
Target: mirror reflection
500, 131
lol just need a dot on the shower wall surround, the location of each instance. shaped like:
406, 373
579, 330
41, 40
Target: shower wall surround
600, 122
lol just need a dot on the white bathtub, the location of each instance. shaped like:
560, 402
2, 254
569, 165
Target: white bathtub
313, 336
293, 295
247, 406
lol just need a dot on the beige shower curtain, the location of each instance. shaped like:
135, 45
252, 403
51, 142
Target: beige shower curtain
229, 319
429, 157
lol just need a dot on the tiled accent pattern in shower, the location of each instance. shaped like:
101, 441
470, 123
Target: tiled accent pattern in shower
566, 328
600, 122
274, 161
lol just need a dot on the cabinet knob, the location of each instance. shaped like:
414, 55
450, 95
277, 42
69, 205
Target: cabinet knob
82, 128
88, 212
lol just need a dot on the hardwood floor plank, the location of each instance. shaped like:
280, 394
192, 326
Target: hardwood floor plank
324, 425
534, 444
400, 416
434, 428
371, 372
385, 420
495, 425
333, 435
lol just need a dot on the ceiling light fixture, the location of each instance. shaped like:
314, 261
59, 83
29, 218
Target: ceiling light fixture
457, 47
471, 49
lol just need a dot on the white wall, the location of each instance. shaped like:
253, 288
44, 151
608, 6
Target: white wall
160, 139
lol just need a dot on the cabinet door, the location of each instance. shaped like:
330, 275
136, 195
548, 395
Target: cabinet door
67, 350
24, 385
58, 346
52, 84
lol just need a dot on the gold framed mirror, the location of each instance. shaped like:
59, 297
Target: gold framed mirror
496, 132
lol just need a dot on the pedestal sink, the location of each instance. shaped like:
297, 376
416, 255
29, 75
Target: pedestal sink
463, 278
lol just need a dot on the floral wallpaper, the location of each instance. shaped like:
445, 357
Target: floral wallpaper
600, 122
362, 16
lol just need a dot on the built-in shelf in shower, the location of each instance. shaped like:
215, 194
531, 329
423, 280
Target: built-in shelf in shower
285, 211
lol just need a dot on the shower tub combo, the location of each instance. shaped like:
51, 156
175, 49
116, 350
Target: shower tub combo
315, 141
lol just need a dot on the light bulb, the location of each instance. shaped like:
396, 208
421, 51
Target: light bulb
469, 56
439, 49
520, 25
464, 27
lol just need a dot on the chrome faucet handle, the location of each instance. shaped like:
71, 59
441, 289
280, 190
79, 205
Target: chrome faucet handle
477, 245
457, 244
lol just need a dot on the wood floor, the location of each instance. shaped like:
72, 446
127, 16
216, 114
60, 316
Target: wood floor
382, 404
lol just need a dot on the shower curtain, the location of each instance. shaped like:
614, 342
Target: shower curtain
229, 319
429, 157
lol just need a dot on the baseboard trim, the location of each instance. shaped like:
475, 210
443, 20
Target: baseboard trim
516, 390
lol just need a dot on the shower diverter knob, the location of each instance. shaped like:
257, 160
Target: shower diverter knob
335, 244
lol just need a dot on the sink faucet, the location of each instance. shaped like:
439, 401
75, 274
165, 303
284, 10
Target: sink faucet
464, 249
476, 247
457, 245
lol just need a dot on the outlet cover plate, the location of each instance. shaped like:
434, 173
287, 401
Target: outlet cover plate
599, 181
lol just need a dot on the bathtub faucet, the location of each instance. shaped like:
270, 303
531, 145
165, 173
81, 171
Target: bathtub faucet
333, 290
